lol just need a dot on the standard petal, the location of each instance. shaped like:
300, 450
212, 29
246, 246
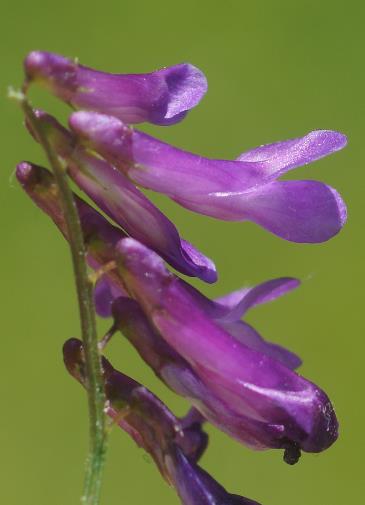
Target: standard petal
279, 157
244, 333
162, 97
240, 301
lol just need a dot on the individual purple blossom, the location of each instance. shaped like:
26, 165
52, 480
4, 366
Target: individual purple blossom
244, 189
125, 204
248, 394
174, 444
163, 97
177, 373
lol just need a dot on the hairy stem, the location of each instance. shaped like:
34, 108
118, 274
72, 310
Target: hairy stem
84, 286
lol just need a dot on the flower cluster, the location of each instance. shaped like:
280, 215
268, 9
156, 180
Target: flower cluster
202, 349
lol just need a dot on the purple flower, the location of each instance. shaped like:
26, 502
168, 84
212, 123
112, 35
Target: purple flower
244, 189
177, 373
163, 97
125, 204
174, 444
244, 391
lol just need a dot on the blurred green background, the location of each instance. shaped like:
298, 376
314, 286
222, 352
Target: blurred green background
276, 70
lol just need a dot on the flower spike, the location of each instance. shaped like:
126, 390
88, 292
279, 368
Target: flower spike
244, 189
163, 97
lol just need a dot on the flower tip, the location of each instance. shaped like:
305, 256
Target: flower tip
337, 216
38, 64
209, 275
324, 430
186, 85
34, 61
291, 283
30, 176
73, 358
341, 206
339, 139
53, 71
324, 142
342, 139
24, 171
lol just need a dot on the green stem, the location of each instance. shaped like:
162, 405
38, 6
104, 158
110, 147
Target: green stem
96, 397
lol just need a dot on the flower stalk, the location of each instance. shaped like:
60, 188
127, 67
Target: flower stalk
84, 287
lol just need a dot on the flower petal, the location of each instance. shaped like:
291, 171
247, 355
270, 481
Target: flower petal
105, 293
162, 97
240, 301
279, 157
196, 487
298, 211
244, 333
132, 322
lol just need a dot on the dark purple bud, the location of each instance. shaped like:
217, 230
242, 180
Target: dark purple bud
99, 235
244, 189
173, 443
163, 97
